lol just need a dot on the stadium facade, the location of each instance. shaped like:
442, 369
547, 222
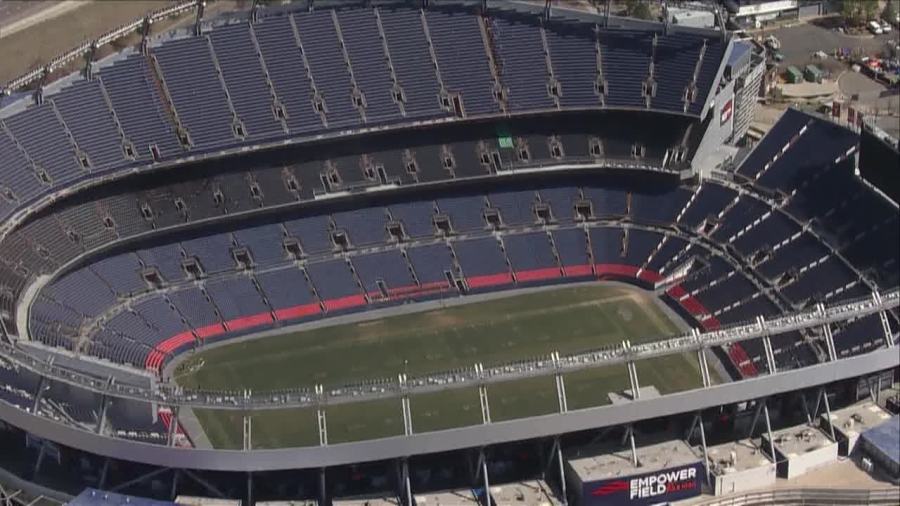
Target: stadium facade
289, 164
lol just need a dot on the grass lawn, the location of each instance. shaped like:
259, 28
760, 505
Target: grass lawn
567, 319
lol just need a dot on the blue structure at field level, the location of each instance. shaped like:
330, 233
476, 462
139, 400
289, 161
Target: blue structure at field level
882, 444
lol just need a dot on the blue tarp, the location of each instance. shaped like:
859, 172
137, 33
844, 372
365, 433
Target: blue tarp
94, 497
886, 438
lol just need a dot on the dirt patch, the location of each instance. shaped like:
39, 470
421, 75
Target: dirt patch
444, 319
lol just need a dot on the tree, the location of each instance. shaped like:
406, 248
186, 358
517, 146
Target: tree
638, 9
852, 11
870, 10
890, 11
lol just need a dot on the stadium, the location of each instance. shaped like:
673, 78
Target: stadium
371, 251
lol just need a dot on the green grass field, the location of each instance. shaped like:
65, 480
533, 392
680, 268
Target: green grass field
566, 319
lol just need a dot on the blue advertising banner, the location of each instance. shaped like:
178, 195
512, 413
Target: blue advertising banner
658, 487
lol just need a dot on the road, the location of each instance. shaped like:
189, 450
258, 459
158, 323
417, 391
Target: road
17, 15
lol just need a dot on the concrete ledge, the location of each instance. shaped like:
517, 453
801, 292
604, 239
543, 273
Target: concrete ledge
466, 437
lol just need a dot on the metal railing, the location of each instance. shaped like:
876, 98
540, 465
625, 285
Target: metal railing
63, 59
811, 496
477, 374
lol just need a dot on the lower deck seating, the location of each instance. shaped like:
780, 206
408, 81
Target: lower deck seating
333, 280
417, 218
639, 244
236, 297
194, 304
531, 256
383, 273
288, 293
571, 245
482, 262
667, 250
606, 245
432, 264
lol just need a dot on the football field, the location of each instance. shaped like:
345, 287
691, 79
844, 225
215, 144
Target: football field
493, 331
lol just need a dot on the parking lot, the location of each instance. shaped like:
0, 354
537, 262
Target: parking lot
799, 42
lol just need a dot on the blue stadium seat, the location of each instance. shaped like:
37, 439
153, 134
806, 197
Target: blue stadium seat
530, 251
431, 263
194, 305
607, 243
326, 63
461, 57
136, 101
45, 141
367, 58
85, 112
245, 81
386, 267
416, 217
235, 297
282, 56
192, 80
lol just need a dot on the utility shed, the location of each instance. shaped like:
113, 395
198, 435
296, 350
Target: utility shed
882, 445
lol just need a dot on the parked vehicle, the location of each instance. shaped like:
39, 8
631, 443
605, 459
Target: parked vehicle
886, 27
874, 27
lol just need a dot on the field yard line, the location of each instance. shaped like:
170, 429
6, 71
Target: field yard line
47, 14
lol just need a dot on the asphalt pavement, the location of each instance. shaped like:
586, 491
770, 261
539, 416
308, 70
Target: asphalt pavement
799, 42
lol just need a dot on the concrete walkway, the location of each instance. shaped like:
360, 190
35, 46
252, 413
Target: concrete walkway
806, 90
193, 428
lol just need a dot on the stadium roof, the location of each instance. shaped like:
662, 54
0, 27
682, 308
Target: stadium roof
94, 497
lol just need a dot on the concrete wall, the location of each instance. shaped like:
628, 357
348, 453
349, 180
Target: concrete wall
745, 480
745, 99
718, 132
798, 465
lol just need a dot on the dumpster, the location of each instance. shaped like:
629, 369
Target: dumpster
793, 75
813, 74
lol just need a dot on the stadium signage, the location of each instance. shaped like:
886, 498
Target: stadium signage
756, 9
651, 488
727, 109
